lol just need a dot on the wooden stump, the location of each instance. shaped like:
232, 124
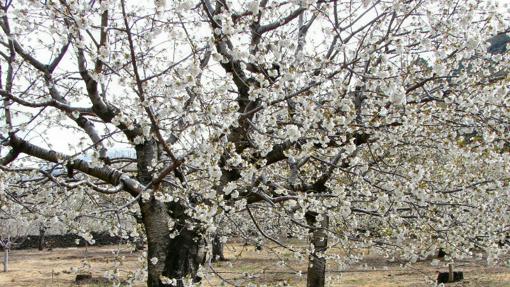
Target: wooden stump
450, 276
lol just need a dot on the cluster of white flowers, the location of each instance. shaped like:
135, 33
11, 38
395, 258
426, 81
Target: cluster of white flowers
389, 119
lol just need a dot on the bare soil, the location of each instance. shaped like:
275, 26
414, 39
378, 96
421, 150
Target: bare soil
246, 265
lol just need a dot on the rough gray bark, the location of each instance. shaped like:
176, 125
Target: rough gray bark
174, 258
316, 276
105, 173
177, 258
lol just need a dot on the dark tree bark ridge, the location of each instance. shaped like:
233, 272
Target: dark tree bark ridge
316, 276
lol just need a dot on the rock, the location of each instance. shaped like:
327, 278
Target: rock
87, 279
80, 278
442, 277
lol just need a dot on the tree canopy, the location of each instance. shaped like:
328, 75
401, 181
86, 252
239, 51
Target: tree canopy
369, 124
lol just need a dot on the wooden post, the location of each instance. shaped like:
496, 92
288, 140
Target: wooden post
6, 259
42, 232
450, 272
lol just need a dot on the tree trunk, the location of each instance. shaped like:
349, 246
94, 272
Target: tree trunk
42, 232
171, 261
316, 276
217, 249
6, 259
450, 272
177, 258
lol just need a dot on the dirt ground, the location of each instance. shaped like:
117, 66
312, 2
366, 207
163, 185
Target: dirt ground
245, 266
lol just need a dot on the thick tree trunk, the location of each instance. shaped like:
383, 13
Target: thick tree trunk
217, 249
6, 259
316, 276
172, 261
174, 258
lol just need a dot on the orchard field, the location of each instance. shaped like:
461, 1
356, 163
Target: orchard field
245, 266
367, 129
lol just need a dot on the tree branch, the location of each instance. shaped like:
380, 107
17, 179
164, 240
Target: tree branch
104, 173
